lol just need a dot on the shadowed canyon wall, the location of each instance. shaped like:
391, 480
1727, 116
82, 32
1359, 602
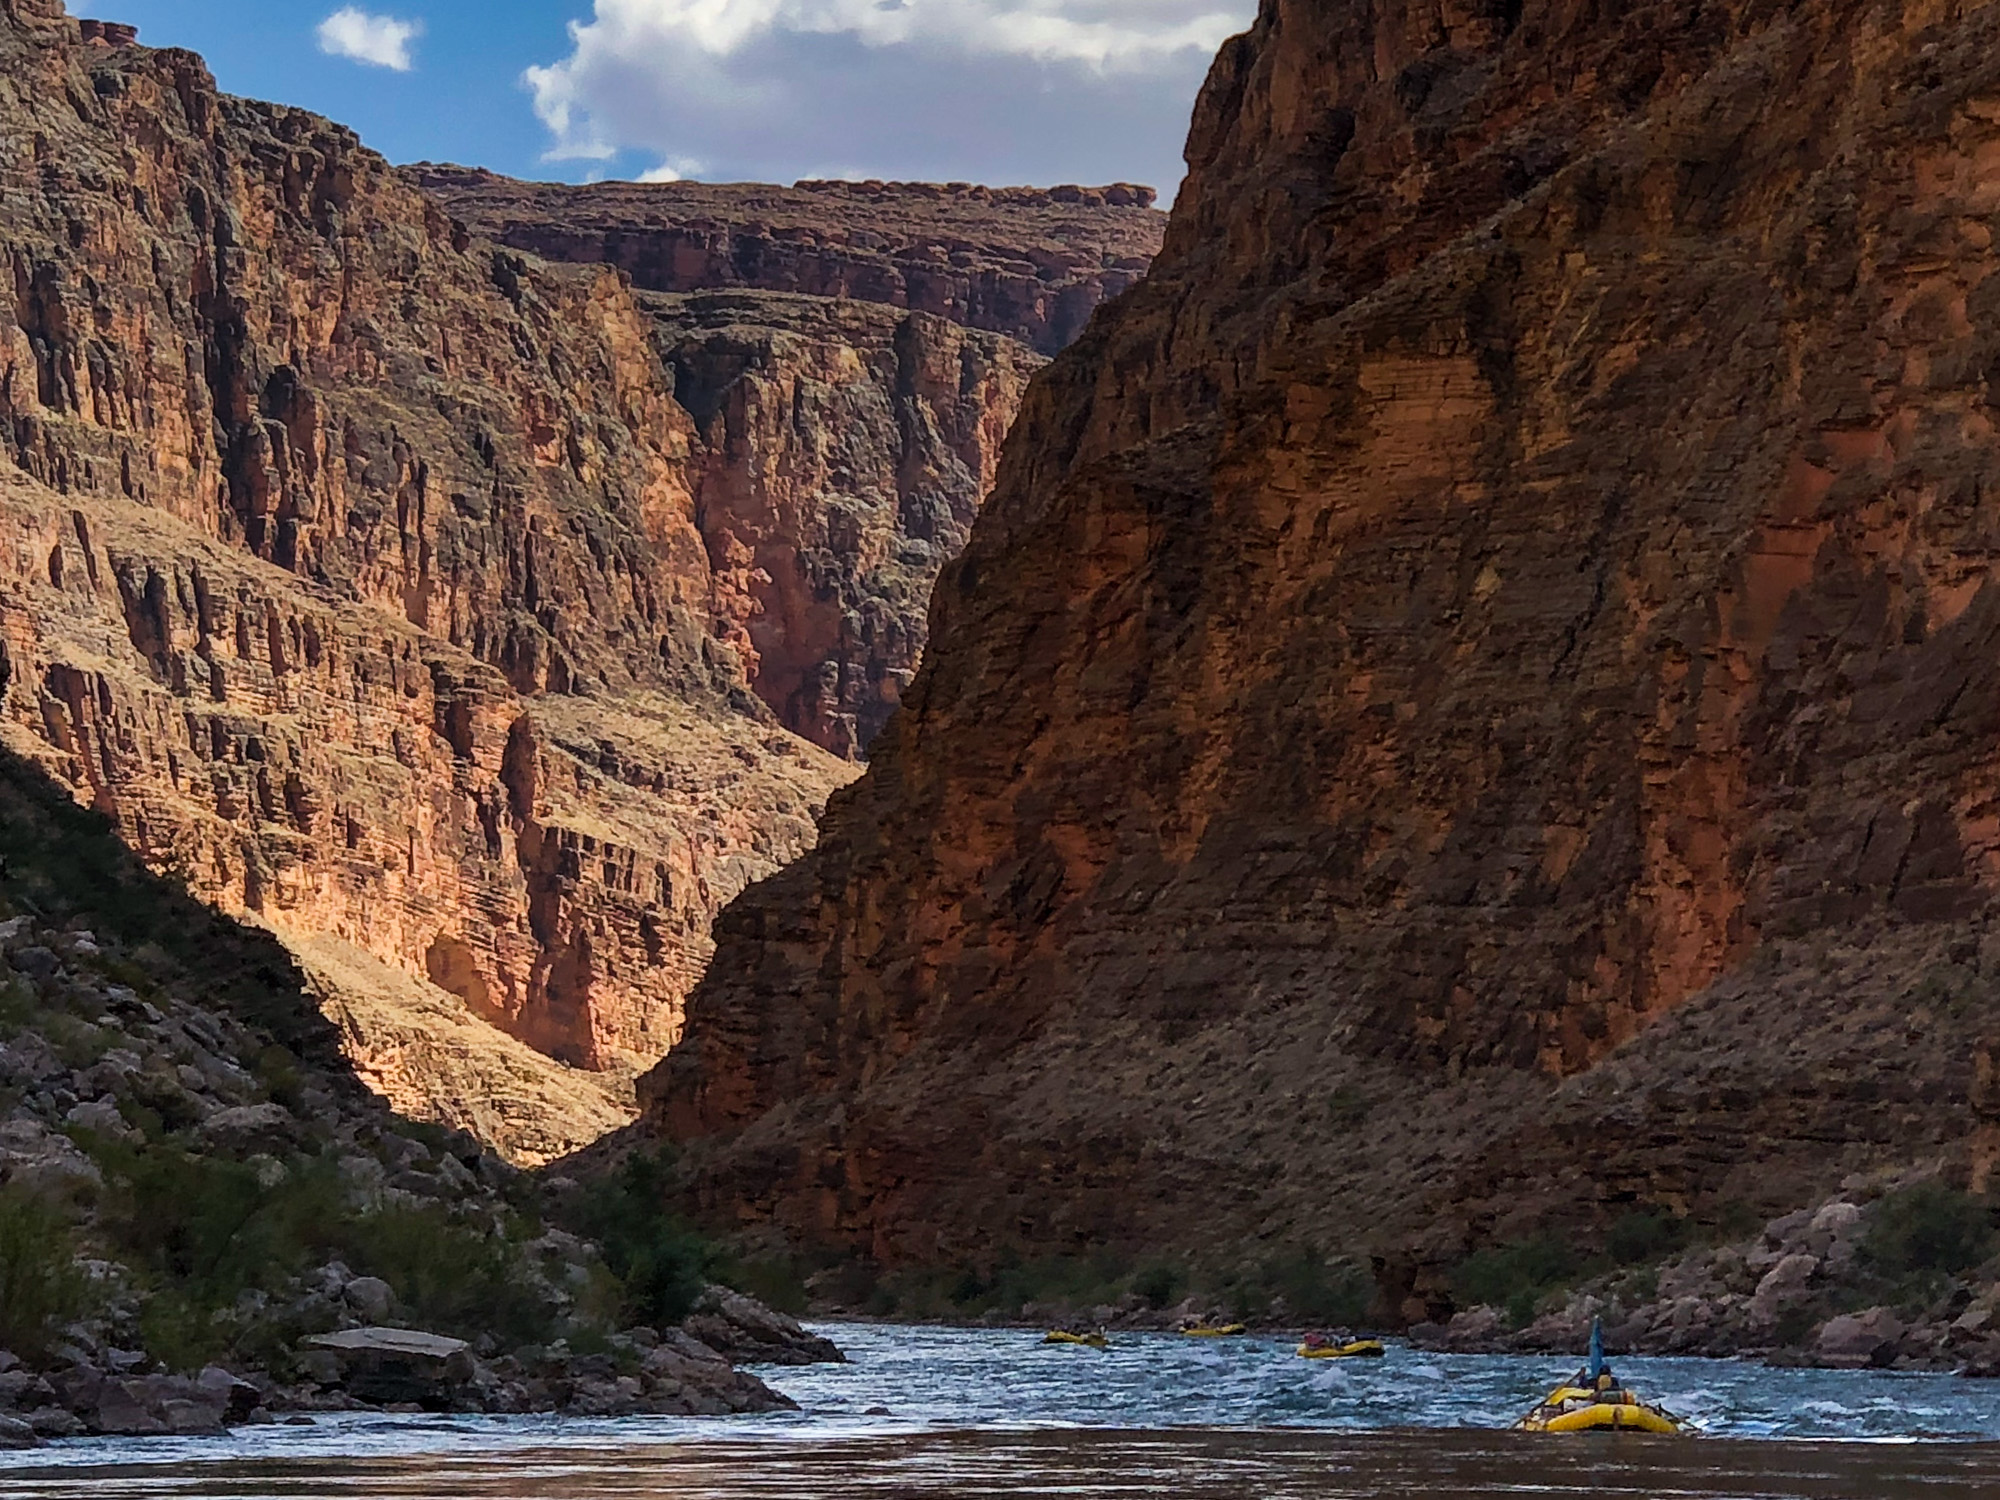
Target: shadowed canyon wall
1490, 646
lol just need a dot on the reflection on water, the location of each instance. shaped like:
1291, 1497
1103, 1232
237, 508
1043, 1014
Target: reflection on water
1192, 1464
932, 1412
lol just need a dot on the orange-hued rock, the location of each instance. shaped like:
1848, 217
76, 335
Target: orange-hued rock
846, 448
853, 355
1473, 702
354, 565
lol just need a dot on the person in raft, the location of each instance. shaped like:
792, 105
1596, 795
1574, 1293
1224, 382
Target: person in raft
1596, 1377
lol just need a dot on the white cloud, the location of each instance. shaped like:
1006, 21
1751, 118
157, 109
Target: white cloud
677, 170
998, 90
380, 41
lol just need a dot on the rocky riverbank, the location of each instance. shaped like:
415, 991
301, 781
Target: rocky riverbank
205, 1219
1902, 1275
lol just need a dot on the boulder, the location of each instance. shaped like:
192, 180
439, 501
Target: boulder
1785, 1283
14, 1433
370, 1296
36, 1158
744, 1330
245, 1128
1855, 1341
395, 1366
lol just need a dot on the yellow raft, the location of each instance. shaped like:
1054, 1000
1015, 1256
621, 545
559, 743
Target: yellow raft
1572, 1408
1087, 1340
1355, 1349
1226, 1331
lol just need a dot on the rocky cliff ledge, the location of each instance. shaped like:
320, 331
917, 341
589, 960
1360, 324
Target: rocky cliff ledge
1032, 263
1471, 708
354, 567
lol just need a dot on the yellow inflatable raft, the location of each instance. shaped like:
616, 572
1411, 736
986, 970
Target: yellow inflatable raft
1571, 1408
1355, 1349
1225, 1331
1087, 1340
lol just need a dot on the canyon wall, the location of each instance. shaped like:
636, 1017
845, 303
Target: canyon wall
353, 565
852, 355
846, 448
1472, 706
1030, 263
424, 600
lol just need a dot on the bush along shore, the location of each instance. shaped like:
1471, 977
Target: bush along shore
1893, 1273
205, 1219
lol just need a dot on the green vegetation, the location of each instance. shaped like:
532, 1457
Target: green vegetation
1928, 1230
41, 1288
1645, 1237
660, 1262
205, 1234
1516, 1277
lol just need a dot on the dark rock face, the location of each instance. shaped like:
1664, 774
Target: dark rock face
1499, 621
1031, 263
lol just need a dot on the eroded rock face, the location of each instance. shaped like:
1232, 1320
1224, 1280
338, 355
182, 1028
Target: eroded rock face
846, 449
1521, 563
852, 355
354, 566
1031, 263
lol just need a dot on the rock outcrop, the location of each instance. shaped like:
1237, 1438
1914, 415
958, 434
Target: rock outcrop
1488, 648
354, 565
846, 448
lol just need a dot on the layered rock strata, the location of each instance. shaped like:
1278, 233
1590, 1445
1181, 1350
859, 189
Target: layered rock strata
1471, 705
354, 565
1031, 263
852, 355
846, 448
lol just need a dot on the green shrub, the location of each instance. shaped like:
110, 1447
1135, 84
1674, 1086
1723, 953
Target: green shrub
449, 1277
1928, 1228
1346, 1107
1158, 1285
202, 1231
1645, 1236
660, 1261
773, 1281
1516, 1277
41, 1288
1322, 1291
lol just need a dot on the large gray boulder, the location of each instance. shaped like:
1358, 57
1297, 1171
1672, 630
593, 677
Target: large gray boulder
745, 1331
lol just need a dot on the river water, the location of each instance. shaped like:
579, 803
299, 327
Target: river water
934, 1412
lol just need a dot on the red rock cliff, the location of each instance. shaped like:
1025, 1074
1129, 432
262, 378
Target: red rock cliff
853, 354
1501, 622
354, 565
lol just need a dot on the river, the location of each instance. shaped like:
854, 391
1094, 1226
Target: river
935, 1412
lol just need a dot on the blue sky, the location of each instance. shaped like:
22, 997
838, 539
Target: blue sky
1000, 91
